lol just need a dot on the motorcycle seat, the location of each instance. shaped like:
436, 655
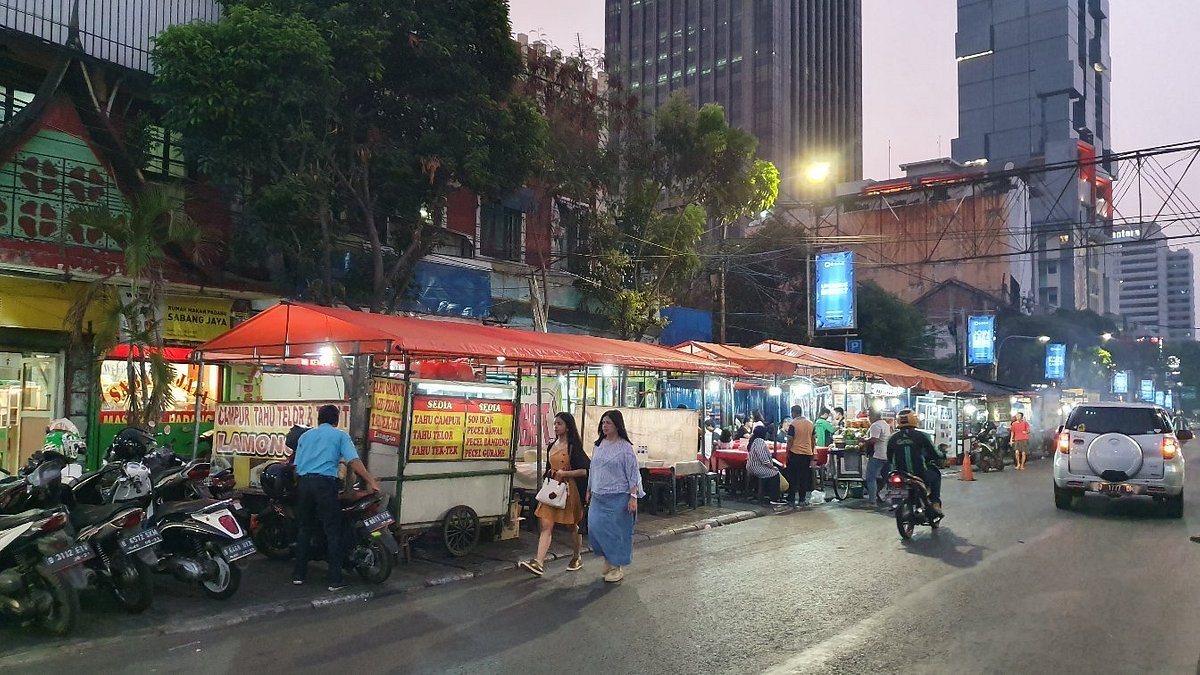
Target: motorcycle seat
88, 514
11, 521
190, 506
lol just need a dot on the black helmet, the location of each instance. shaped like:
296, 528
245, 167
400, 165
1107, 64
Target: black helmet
293, 436
130, 445
278, 480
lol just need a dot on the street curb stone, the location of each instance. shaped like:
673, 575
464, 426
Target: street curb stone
226, 619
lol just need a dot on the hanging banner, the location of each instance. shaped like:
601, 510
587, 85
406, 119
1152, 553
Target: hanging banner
1121, 382
1146, 391
489, 430
835, 306
527, 437
438, 425
260, 429
981, 340
387, 412
1169, 401
1160, 398
1056, 361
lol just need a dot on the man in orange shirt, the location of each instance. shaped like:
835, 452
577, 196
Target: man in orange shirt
1019, 430
801, 444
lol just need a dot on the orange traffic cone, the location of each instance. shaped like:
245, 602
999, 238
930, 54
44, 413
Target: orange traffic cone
966, 473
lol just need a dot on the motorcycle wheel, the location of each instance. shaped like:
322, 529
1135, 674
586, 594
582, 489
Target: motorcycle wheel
229, 576
272, 540
904, 523
379, 564
841, 489
64, 610
132, 584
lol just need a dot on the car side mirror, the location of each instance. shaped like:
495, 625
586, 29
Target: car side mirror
1184, 435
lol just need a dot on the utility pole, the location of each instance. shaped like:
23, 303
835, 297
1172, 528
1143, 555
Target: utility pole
721, 275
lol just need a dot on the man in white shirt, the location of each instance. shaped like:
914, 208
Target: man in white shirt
877, 441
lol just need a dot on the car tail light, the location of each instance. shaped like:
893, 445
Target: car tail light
131, 519
1064, 442
54, 522
228, 523
1170, 447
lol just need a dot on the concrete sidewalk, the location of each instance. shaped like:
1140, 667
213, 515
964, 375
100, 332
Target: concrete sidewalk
267, 590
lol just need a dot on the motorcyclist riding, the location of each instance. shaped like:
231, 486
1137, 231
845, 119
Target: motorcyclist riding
910, 451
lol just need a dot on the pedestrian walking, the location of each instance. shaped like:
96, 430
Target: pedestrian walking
317, 455
877, 440
614, 486
1019, 433
567, 461
761, 465
801, 443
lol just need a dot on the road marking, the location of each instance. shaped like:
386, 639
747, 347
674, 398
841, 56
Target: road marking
194, 642
823, 656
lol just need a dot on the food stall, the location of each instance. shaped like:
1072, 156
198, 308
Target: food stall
435, 406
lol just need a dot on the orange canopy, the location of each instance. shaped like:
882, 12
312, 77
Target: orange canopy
295, 330
754, 360
893, 371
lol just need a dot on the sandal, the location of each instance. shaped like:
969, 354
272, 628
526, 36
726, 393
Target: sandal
535, 568
575, 565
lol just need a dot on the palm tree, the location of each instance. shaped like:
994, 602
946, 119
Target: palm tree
152, 232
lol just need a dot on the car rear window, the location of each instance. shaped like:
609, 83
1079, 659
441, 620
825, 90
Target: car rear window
1128, 421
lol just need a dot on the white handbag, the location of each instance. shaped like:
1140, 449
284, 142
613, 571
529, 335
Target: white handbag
553, 493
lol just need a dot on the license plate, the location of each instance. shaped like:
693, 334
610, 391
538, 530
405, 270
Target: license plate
139, 540
1116, 488
239, 549
236, 504
893, 494
77, 554
378, 521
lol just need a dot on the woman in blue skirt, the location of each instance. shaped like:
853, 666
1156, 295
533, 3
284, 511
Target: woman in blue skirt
614, 486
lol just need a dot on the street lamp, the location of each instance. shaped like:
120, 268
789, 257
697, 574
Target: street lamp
1106, 336
818, 172
996, 361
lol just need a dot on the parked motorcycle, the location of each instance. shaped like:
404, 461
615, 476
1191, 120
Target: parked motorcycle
912, 507
370, 546
201, 538
121, 562
986, 454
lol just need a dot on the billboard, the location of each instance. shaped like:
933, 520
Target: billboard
1121, 382
981, 340
1159, 398
1056, 361
835, 306
1169, 401
1146, 390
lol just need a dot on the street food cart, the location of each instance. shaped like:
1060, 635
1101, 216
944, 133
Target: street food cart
432, 404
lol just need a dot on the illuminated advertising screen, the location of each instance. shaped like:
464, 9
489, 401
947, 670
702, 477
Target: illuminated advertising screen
1056, 361
1121, 382
981, 340
835, 303
1146, 390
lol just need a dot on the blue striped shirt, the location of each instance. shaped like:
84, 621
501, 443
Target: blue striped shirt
614, 469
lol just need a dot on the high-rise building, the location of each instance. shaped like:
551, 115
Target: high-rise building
1156, 284
788, 71
1033, 92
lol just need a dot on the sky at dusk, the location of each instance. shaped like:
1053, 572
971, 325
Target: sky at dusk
910, 91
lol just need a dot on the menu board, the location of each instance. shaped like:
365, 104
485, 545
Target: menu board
448, 428
438, 425
489, 430
387, 412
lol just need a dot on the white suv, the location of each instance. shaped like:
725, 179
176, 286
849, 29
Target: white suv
1119, 449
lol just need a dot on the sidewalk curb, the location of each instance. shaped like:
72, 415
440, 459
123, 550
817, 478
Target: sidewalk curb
240, 616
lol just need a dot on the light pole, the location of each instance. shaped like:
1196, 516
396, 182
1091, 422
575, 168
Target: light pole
996, 361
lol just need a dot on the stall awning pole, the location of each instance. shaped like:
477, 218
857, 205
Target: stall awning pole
541, 431
198, 409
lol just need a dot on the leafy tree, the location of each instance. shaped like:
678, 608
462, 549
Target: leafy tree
345, 125
766, 285
887, 325
152, 236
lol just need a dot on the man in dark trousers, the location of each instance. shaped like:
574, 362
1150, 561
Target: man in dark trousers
317, 455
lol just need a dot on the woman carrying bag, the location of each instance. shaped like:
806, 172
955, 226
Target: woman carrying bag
568, 464
614, 486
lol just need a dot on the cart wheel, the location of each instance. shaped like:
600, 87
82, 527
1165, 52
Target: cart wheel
841, 489
460, 530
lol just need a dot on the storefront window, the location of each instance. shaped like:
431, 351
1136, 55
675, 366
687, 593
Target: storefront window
177, 426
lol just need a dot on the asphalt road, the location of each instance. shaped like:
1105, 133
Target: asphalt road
1008, 585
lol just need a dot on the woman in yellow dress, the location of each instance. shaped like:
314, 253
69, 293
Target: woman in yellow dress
568, 462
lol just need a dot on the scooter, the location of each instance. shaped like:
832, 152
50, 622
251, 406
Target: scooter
987, 456
912, 507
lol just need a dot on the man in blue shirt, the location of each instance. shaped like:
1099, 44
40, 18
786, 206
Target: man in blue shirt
317, 455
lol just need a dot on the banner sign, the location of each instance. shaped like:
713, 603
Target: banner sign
1056, 361
260, 429
1169, 401
1159, 398
527, 436
1146, 391
854, 345
195, 319
1121, 382
448, 428
981, 340
835, 306
387, 412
